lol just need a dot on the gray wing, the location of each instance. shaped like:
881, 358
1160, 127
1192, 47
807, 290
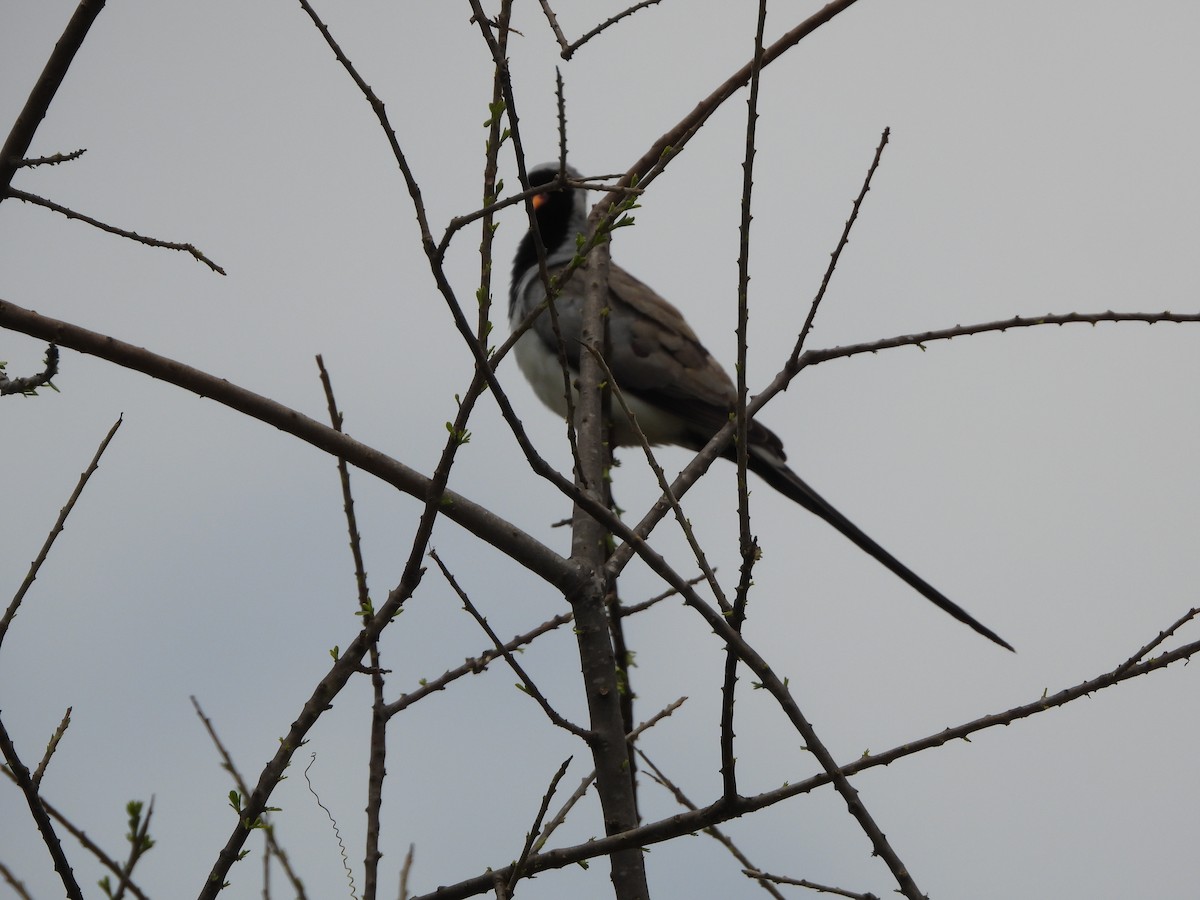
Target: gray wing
655, 355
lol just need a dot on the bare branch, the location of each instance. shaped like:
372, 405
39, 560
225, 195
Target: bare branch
1162, 636
376, 767
747, 543
139, 843
635, 608
815, 357
569, 51
37, 563
16, 145
553, 20
405, 869
336, 421
14, 883
227, 763
507, 537
530, 688
714, 832
841, 245
51, 746
52, 160
20, 774
763, 877
474, 665
532, 833
586, 781
669, 144
27, 386
112, 229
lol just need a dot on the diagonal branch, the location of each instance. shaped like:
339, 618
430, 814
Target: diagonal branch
841, 245
20, 774
113, 229
16, 145
570, 49
59, 524
529, 687
503, 535
227, 763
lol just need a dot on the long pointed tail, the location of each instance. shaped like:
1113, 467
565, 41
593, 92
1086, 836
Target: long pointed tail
777, 474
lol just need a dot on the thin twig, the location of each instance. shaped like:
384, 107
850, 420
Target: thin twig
528, 686
336, 421
377, 754
553, 20
764, 877
714, 832
474, 665
405, 869
84, 841
635, 608
747, 542
815, 357
59, 524
139, 844
655, 159
227, 763
112, 229
52, 160
569, 51
532, 833
1162, 636
552, 283
14, 882
27, 386
837, 251
477, 664
51, 746
586, 781
20, 774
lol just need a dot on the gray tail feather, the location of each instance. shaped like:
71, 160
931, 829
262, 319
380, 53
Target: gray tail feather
776, 473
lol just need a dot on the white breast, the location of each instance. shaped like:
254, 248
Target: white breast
542, 369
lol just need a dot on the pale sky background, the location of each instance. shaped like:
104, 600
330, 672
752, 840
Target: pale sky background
1043, 159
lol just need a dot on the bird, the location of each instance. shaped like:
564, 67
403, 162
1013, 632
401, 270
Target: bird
679, 394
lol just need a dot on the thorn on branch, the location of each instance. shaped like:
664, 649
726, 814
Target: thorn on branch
51, 160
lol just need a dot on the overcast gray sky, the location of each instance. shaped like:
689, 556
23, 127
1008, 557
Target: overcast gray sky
1042, 160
